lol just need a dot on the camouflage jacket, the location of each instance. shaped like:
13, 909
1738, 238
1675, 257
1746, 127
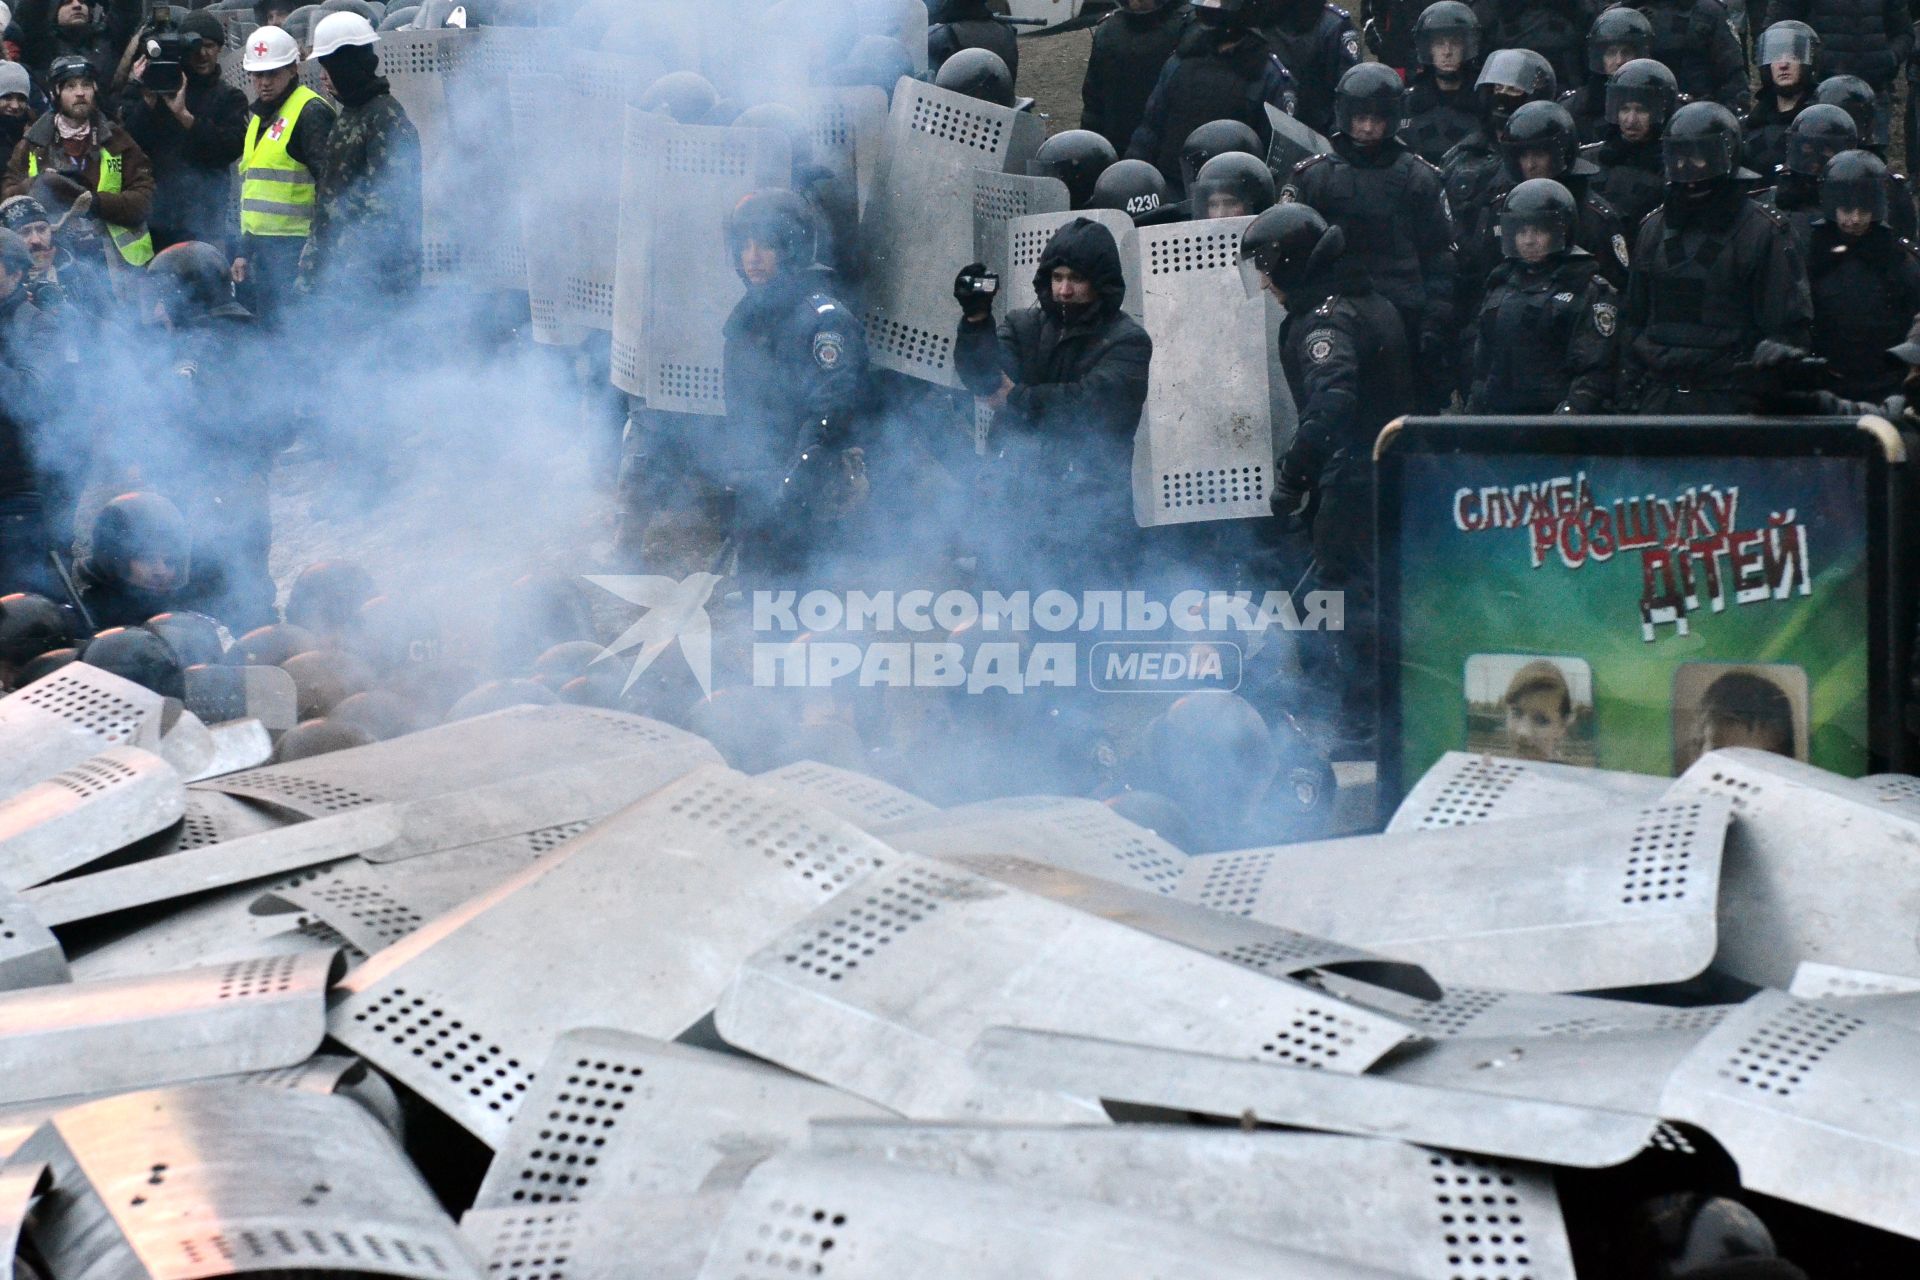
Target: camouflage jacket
366, 218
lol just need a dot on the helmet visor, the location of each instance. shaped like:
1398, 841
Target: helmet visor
1612, 47
1232, 196
1783, 42
1447, 47
1807, 154
1867, 192
1698, 159
1652, 99
1532, 236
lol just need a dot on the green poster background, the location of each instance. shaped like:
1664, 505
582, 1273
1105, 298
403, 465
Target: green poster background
1463, 594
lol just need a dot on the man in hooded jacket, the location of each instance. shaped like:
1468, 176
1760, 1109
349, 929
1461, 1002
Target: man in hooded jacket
1066, 380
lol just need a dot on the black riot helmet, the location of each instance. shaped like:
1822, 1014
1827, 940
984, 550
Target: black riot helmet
1538, 204
1215, 138
1511, 72
1646, 83
1224, 13
778, 117
1077, 157
879, 61
194, 281
778, 220
978, 73
1542, 126
1289, 244
1132, 186
1852, 180
1621, 31
1231, 179
1702, 144
136, 654
31, 625
193, 637
143, 528
1853, 96
687, 96
1369, 89
1816, 136
1787, 41
1447, 20
326, 596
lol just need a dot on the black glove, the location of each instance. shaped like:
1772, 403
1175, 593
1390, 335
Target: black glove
1772, 356
1293, 489
975, 289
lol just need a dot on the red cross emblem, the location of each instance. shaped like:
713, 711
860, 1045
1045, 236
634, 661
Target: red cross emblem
278, 127
261, 48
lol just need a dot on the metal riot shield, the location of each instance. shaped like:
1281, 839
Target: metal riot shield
82, 814
999, 201
868, 1220
847, 126
643, 140
218, 694
1464, 788
882, 992
132, 1033
917, 229
1815, 1105
1815, 981
1818, 867
520, 770
867, 802
1364, 1106
1602, 900
1292, 143
696, 175
1382, 1204
227, 1179
1061, 831
599, 1239
1483, 1013
21, 1189
237, 745
30, 956
544, 110
64, 718
412, 62
1206, 446
638, 925
687, 1120
1027, 240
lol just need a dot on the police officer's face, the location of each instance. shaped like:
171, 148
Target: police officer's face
1071, 289
758, 262
1533, 244
1538, 163
269, 86
14, 104
153, 573
39, 238
1535, 726
1787, 71
1368, 131
1635, 122
1448, 54
1854, 222
1616, 56
76, 99
1222, 204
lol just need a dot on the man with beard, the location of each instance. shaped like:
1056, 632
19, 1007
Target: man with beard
367, 213
1224, 69
1315, 41
90, 29
1714, 275
1066, 380
1130, 46
286, 135
75, 151
192, 136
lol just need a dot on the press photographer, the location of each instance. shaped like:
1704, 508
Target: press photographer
189, 121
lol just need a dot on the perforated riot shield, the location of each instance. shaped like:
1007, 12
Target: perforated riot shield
687, 1120
849, 996
30, 956
638, 925
64, 718
867, 802
1794, 889
216, 1180
541, 104
918, 230
1601, 900
1381, 1204
1463, 788
222, 693
999, 201
599, 1239
1815, 981
93, 1037
1206, 445
84, 813
1078, 835
847, 126
1027, 240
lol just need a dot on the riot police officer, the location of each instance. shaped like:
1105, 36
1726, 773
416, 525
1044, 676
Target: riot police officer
1315, 41
796, 384
1714, 274
1077, 158
1231, 185
1865, 38
1641, 98
1510, 80
1216, 138
1545, 335
1786, 54
954, 25
1694, 40
1136, 189
1130, 48
1392, 215
1224, 69
1865, 280
1441, 108
1346, 357
1817, 135
1617, 37
1554, 29
1858, 99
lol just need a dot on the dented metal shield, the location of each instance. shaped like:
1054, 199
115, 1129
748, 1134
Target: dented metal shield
85, 812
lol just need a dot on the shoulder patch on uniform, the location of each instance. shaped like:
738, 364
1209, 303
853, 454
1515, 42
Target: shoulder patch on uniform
828, 349
1319, 345
1324, 309
1620, 250
1350, 43
1563, 297
1606, 318
1774, 216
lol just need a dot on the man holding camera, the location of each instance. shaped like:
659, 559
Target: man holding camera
191, 124
75, 152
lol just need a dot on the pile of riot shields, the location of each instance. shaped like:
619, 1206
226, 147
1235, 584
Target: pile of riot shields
555, 991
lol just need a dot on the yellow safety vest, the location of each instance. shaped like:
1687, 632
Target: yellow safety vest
134, 243
276, 191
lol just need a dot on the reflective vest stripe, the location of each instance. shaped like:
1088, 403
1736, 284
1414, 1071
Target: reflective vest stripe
134, 243
276, 191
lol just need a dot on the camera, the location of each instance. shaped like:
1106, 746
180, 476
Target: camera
166, 51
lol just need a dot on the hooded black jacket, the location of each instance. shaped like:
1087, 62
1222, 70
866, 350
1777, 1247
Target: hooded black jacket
1080, 382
